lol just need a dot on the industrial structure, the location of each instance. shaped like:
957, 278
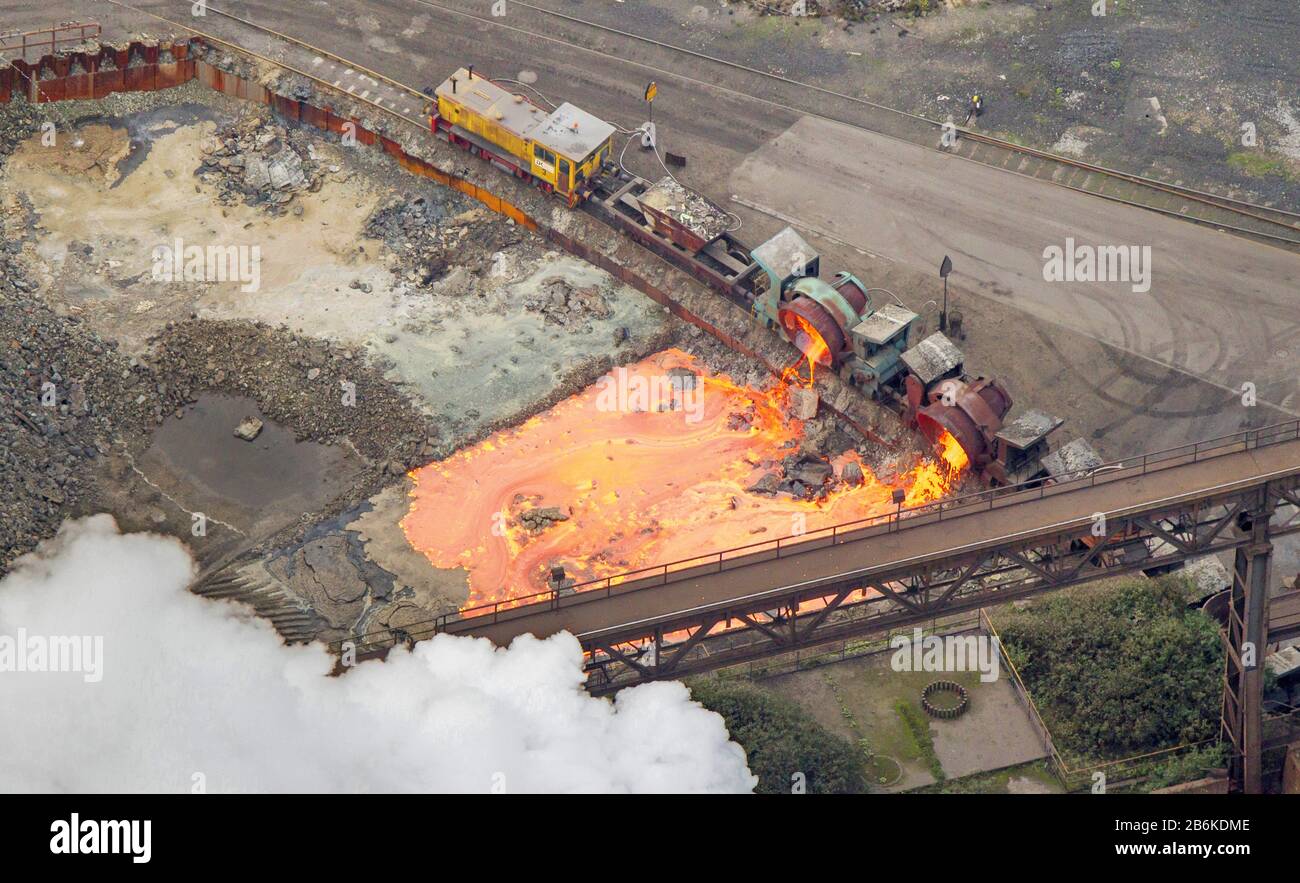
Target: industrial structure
1034, 531
874, 345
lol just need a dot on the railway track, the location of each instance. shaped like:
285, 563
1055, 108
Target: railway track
395, 100
1262, 223
1266, 224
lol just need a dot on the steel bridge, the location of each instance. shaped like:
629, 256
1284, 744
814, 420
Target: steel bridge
1234, 493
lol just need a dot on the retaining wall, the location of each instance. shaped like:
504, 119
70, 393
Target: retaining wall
67, 76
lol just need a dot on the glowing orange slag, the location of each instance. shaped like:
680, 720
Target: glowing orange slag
816, 350
647, 472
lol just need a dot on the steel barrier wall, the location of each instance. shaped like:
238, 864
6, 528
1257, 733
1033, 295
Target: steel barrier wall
71, 76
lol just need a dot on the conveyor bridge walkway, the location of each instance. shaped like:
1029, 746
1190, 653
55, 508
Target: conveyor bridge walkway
912, 567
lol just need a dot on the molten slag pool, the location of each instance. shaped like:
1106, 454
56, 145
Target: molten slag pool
649, 465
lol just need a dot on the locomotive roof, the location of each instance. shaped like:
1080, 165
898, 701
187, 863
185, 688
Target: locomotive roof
484, 97
932, 358
572, 132
569, 131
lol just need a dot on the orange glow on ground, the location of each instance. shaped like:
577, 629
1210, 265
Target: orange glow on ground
643, 485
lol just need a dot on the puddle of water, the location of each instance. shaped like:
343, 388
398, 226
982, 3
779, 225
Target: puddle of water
201, 463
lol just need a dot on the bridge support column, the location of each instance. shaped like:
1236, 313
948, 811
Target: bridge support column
1247, 634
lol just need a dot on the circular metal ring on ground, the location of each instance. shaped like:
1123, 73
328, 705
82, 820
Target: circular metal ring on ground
945, 713
882, 781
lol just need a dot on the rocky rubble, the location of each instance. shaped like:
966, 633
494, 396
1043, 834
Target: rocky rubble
538, 520
17, 220
851, 10
422, 231
258, 162
798, 477
66, 398
18, 121
562, 303
806, 473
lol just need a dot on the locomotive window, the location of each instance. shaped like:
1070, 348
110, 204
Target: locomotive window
543, 155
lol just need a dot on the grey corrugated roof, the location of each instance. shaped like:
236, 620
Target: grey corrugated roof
932, 358
1028, 428
779, 252
884, 323
1073, 460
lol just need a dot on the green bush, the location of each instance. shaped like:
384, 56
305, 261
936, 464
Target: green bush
1186, 767
780, 739
1119, 668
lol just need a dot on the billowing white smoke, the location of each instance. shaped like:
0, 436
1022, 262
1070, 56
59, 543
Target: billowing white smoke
195, 691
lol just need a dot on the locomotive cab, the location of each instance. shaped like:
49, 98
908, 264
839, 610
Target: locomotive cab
569, 147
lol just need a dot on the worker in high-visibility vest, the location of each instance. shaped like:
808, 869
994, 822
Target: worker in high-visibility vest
976, 108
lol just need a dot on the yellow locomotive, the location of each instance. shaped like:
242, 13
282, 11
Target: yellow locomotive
561, 150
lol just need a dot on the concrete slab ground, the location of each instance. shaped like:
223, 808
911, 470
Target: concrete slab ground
858, 699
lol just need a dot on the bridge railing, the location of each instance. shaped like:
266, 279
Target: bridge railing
900, 519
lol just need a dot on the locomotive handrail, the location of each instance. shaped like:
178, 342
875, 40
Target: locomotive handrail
1243, 440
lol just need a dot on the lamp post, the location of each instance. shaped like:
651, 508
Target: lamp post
944, 269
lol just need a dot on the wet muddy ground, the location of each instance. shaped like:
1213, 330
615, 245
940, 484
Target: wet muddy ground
197, 457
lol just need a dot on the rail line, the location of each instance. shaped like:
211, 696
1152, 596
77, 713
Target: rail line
421, 124
1264, 223
1274, 226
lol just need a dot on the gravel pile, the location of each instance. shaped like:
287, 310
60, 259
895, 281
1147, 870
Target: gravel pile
851, 10
66, 397
18, 121
423, 230
414, 230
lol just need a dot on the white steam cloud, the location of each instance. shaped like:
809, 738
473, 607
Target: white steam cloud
201, 692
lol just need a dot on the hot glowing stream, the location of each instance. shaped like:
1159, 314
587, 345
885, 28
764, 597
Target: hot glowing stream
642, 484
